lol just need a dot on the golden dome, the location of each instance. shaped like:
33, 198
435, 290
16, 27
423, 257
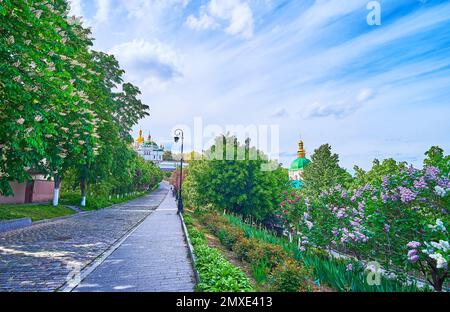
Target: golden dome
301, 153
140, 139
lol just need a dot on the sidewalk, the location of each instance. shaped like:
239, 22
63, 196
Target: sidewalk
153, 258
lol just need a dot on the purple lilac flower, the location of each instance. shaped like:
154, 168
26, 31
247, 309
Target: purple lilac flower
349, 267
361, 205
420, 184
431, 173
387, 227
385, 182
444, 182
411, 170
412, 253
344, 195
341, 214
355, 223
413, 259
384, 198
413, 244
406, 195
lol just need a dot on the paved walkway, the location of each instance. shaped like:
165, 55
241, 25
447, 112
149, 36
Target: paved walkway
152, 258
44, 256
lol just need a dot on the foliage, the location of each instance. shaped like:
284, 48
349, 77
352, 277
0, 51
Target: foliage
325, 268
216, 273
98, 200
290, 276
229, 177
400, 219
167, 156
229, 236
65, 108
324, 171
35, 212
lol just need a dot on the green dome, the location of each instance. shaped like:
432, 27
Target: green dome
299, 164
148, 144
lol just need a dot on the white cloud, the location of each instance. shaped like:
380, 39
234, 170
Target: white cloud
364, 95
152, 65
204, 21
144, 8
339, 108
76, 8
236, 14
280, 113
103, 8
241, 22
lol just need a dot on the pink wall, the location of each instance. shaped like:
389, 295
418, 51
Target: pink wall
42, 192
19, 194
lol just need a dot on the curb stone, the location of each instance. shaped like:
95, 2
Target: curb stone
190, 248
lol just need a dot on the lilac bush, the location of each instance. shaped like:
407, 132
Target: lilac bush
401, 222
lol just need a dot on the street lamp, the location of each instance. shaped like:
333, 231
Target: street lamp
179, 133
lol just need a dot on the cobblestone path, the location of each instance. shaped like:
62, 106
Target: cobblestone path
152, 258
42, 256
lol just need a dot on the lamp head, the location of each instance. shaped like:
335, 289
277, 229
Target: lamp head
176, 138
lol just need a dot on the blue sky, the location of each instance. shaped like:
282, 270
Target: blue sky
315, 68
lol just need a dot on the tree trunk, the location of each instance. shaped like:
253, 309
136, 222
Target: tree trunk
56, 190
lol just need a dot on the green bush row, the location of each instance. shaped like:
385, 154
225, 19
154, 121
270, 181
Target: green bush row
269, 262
96, 202
217, 274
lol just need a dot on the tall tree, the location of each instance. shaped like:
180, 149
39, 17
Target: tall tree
324, 171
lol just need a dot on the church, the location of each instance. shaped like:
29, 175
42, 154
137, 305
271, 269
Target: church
297, 167
148, 149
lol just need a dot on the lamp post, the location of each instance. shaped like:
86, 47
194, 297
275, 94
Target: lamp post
179, 133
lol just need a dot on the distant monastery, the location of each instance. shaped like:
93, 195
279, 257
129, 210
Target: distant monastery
148, 149
297, 167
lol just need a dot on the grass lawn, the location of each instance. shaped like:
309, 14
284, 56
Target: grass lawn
73, 198
33, 211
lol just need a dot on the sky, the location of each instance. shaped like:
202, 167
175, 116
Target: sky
316, 69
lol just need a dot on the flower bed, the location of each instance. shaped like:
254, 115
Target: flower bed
270, 264
217, 274
401, 223
340, 274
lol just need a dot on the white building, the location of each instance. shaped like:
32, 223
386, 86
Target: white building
148, 149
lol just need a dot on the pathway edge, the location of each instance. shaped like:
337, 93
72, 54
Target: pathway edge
190, 249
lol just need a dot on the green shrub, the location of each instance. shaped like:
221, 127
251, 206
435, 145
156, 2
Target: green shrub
243, 247
217, 274
272, 254
290, 276
253, 251
228, 236
260, 271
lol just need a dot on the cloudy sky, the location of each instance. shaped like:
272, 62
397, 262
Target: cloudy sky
315, 68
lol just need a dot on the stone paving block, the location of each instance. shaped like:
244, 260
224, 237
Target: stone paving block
44, 254
153, 258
